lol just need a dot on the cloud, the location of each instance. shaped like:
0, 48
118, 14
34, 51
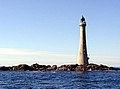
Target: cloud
30, 56
22, 52
110, 60
27, 52
12, 56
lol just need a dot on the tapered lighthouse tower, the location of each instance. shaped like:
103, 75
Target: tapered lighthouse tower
82, 54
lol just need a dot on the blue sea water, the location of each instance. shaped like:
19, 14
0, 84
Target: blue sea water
60, 80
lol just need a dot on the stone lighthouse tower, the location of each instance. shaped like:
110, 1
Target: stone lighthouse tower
82, 54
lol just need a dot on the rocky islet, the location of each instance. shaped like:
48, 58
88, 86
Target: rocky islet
72, 67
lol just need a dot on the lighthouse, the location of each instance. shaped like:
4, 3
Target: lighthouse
82, 54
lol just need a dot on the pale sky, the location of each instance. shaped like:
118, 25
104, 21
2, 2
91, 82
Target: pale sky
47, 31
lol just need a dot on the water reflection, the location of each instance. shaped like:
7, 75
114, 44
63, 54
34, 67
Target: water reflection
83, 79
60, 80
83, 74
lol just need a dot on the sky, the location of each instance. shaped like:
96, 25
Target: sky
47, 31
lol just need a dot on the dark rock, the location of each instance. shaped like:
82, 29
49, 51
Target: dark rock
37, 67
22, 67
82, 68
103, 67
62, 67
93, 67
113, 68
48, 66
3, 68
73, 67
67, 67
54, 67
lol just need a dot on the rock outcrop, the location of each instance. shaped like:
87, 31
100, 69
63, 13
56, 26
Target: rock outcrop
74, 67
67, 67
22, 67
3, 68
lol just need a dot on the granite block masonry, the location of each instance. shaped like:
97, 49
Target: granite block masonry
82, 54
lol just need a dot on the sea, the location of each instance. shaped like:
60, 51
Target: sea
60, 80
